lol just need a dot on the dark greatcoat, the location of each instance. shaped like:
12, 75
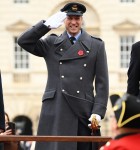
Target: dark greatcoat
2, 115
134, 71
68, 100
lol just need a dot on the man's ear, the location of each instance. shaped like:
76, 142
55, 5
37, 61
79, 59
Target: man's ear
114, 123
116, 126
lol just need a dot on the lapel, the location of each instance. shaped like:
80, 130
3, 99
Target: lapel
62, 44
76, 51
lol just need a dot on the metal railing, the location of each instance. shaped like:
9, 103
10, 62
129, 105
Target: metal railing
15, 138
7, 139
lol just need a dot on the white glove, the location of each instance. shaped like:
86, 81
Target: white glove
55, 20
91, 119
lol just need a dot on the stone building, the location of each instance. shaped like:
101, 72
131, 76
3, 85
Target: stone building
24, 76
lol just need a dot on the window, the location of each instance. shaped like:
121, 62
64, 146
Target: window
127, 1
21, 57
125, 50
21, 1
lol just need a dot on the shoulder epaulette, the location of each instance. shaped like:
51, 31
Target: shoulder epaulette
96, 38
53, 34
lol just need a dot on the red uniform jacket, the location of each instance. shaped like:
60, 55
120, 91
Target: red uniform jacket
127, 142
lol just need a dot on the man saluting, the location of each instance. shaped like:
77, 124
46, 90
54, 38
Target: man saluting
74, 61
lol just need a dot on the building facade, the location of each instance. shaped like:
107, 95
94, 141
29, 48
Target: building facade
116, 22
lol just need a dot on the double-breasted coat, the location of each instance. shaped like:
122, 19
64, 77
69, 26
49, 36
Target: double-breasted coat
134, 71
68, 98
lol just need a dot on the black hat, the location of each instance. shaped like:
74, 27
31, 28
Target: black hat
127, 110
74, 9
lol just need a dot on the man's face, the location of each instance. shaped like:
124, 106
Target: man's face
73, 24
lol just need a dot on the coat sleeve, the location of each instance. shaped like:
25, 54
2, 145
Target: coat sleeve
133, 71
31, 40
2, 118
101, 82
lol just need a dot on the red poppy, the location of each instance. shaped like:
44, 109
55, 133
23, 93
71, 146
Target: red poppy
80, 52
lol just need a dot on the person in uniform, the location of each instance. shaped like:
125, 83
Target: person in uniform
74, 61
2, 115
126, 123
133, 83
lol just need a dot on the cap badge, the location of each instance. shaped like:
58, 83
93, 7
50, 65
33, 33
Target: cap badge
80, 52
74, 8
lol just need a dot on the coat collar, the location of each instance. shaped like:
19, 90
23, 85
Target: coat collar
79, 50
61, 38
85, 38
